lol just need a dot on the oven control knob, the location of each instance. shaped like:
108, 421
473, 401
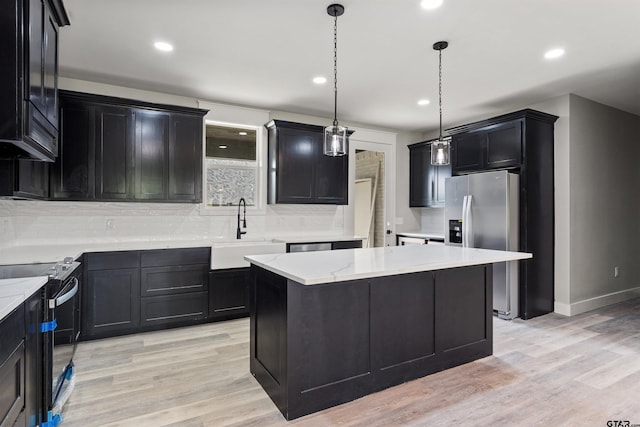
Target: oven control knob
68, 260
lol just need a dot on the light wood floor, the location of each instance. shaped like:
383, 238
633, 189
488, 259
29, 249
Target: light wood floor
547, 371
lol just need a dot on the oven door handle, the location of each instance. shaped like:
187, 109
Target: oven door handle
57, 302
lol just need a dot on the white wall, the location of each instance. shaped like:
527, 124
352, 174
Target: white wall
604, 177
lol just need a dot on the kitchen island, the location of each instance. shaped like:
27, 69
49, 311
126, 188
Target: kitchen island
330, 327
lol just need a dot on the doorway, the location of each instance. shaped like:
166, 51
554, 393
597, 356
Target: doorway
369, 198
372, 201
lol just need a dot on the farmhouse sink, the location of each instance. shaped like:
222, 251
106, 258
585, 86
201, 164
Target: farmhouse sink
231, 254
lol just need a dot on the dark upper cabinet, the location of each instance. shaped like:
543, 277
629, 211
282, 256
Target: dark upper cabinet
29, 78
124, 150
185, 157
299, 172
426, 181
72, 175
497, 146
24, 179
151, 155
114, 145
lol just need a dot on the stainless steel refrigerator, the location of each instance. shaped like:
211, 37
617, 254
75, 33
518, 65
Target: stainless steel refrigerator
481, 211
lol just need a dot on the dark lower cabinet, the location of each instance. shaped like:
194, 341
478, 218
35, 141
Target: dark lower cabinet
317, 346
113, 302
12, 367
33, 361
166, 310
346, 244
136, 291
229, 293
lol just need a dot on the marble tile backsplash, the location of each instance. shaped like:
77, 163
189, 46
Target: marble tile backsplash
33, 222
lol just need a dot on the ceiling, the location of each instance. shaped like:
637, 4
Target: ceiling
264, 54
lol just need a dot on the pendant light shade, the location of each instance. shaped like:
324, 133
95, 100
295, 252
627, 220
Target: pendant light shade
440, 152
336, 137
440, 149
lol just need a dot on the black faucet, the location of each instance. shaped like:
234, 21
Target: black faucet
244, 218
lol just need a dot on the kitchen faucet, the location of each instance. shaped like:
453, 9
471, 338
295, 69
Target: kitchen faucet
244, 218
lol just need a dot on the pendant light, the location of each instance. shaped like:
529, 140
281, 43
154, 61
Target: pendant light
440, 149
336, 138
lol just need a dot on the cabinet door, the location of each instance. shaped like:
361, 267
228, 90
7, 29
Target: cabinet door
36, 35
296, 165
12, 390
114, 152
467, 150
421, 176
332, 177
504, 145
72, 174
50, 69
32, 180
33, 360
185, 158
229, 292
151, 149
113, 302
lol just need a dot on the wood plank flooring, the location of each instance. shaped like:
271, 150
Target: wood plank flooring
551, 370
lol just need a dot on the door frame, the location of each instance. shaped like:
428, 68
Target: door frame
385, 142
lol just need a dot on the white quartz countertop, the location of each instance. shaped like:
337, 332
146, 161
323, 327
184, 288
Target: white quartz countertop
14, 292
311, 268
54, 252
421, 235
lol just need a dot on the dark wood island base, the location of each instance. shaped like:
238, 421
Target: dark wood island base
317, 346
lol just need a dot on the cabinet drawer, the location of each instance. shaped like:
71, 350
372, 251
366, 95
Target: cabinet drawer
346, 244
12, 390
12, 332
163, 257
168, 309
173, 279
112, 260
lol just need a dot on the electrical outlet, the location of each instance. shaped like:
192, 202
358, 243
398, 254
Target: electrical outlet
616, 271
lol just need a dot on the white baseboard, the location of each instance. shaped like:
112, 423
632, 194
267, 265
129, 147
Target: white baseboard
596, 302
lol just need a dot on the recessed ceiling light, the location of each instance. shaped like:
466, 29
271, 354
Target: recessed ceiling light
554, 53
163, 46
423, 102
319, 80
222, 146
431, 4
242, 133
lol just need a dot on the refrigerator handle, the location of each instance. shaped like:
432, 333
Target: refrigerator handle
464, 221
470, 242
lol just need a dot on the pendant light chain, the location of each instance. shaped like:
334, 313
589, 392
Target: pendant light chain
335, 71
440, 88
